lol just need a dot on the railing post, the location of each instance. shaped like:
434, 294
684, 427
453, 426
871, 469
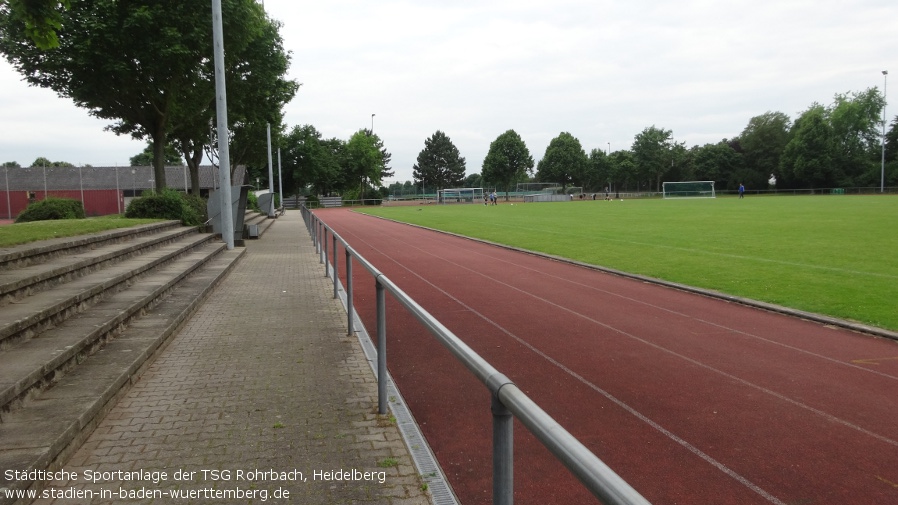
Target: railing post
381, 347
324, 250
336, 277
349, 324
503, 453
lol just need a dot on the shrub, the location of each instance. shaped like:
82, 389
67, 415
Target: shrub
52, 208
198, 204
252, 202
169, 204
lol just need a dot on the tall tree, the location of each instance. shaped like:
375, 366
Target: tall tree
439, 163
564, 162
856, 122
145, 158
653, 150
763, 141
599, 173
718, 162
386, 172
363, 163
808, 158
508, 161
311, 161
40, 18
145, 65
622, 170
891, 141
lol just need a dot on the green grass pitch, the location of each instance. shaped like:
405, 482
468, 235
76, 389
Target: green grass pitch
834, 255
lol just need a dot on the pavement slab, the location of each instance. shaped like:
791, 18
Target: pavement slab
261, 397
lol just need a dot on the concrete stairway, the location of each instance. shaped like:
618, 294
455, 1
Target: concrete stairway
260, 220
80, 318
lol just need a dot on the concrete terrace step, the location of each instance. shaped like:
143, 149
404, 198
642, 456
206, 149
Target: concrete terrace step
29, 317
54, 425
37, 363
84, 316
261, 220
23, 281
45, 250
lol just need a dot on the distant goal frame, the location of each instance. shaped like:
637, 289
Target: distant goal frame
674, 190
460, 195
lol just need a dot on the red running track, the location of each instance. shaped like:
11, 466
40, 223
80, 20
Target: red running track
690, 399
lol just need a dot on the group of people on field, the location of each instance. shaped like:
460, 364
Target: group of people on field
490, 199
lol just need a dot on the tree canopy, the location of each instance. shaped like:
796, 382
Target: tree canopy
41, 19
439, 163
508, 161
147, 66
565, 161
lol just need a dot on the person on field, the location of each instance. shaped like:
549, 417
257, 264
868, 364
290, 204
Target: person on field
741, 190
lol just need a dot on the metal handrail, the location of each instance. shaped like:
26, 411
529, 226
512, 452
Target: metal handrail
508, 400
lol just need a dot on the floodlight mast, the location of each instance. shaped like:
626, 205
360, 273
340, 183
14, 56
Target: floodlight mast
221, 114
882, 179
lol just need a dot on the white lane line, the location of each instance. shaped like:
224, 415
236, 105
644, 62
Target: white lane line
691, 448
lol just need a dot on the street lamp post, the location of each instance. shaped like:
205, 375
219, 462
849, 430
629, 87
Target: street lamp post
372, 124
882, 180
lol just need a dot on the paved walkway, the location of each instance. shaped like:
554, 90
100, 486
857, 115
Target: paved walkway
261, 398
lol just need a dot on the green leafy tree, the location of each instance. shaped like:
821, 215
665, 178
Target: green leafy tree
473, 181
386, 173
311, 162
763, 141
718, 162
508, 161
11, 164
363, 162
622, 170
599, 174
439, 163
145, 65
807, 160
564, 162
892, 141
41, 19
654, 154
145, 158
44, 162
856, 122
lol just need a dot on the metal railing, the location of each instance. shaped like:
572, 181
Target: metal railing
508, 401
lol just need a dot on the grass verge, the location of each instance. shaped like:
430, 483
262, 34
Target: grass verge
22, 233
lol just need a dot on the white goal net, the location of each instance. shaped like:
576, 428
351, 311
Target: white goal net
688, 189
460, 195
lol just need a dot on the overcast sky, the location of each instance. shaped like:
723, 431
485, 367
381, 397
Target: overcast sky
601, 70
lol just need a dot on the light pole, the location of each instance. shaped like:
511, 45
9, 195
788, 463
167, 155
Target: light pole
372, 124
609, 149
885, 82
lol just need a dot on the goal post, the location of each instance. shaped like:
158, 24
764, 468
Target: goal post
688, 189
460, 195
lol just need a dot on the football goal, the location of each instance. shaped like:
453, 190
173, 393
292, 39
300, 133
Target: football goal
532, 188
460, 195
688, 189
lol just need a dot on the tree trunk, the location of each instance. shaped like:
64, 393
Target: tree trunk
159, 159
